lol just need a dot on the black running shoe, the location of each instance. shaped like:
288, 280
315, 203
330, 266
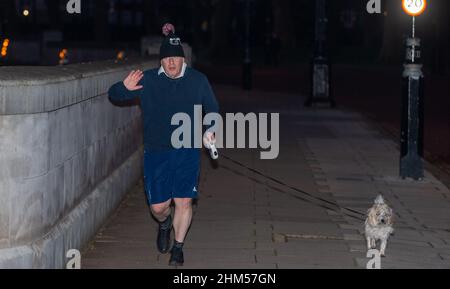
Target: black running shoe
177, 258
163, 240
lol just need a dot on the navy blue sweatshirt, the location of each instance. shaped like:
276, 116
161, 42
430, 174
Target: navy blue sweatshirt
161, 97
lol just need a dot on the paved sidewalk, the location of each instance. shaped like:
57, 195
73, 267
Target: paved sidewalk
243, 220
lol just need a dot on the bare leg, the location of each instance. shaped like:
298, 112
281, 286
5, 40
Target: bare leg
182, 218
161, 211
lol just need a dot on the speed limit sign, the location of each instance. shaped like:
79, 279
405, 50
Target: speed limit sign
414, 7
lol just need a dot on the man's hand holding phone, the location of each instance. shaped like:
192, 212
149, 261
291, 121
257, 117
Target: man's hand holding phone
209, 140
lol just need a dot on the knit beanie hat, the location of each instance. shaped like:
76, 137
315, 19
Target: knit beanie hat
171, 45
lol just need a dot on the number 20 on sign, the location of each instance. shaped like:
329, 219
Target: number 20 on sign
414, 7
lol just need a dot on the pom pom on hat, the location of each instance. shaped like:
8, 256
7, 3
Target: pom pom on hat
167, 28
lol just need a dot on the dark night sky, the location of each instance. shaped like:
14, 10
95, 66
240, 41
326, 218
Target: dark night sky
217, 26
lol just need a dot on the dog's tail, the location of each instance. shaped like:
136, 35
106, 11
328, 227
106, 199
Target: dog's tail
379, 200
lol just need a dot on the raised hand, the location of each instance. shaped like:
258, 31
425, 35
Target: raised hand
132, 80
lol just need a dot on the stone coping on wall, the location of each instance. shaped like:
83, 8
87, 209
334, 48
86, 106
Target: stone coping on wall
39, 89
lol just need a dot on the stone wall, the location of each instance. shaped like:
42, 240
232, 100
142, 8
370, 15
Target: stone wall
67, 157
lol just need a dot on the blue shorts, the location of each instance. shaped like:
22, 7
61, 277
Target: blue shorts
171, 174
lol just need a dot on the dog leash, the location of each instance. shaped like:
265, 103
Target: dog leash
341, 209
255, 171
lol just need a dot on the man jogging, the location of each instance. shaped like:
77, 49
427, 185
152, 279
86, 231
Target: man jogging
169, 173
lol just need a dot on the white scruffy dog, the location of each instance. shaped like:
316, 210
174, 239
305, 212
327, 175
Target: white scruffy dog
379, 225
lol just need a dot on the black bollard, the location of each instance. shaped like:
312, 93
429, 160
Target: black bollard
411, 163
320, 67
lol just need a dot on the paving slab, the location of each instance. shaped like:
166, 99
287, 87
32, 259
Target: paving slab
245, 221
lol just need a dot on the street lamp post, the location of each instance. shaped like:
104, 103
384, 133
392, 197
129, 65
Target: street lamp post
320, 91
411, 139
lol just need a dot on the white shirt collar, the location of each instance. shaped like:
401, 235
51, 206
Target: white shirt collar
183, 70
